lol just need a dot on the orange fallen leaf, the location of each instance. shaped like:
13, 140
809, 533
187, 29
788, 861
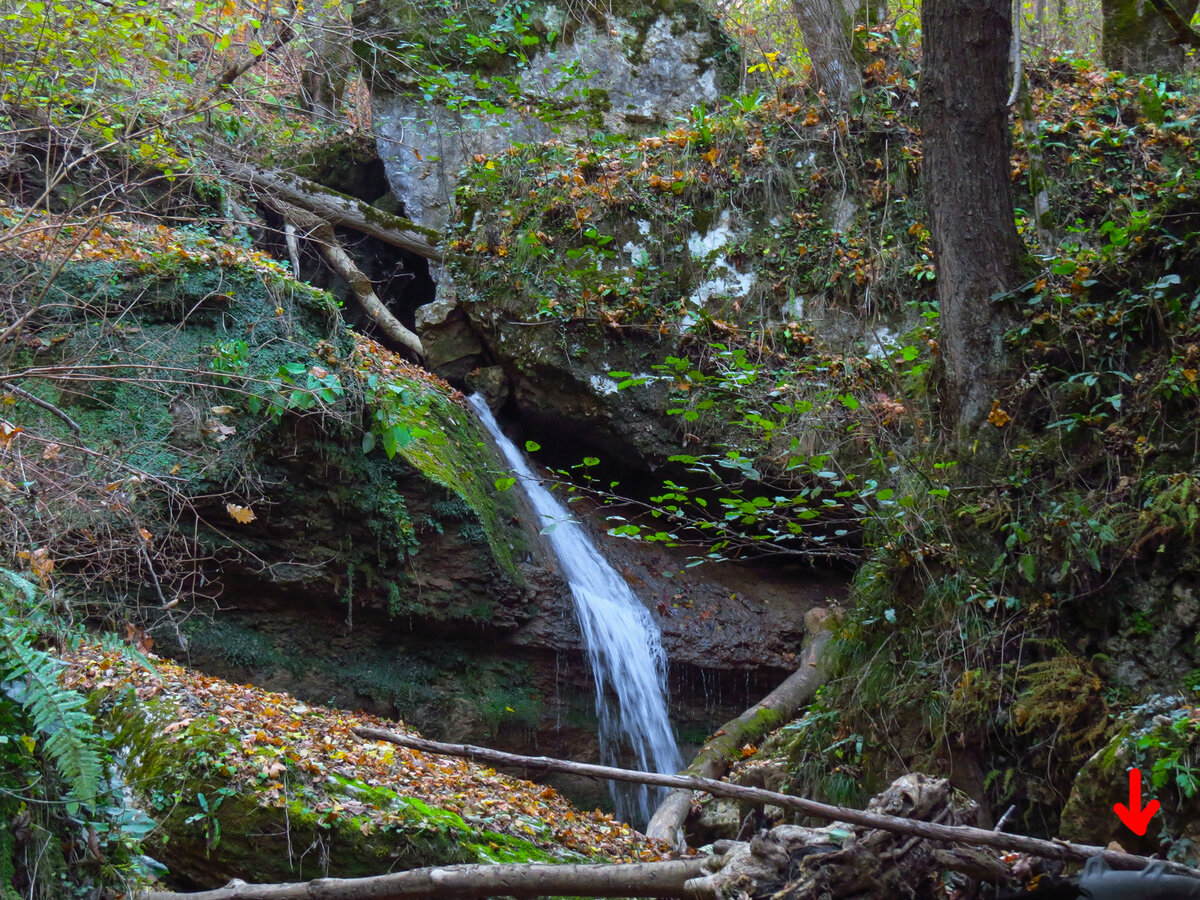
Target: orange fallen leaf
8, 433
243, 515
997, 416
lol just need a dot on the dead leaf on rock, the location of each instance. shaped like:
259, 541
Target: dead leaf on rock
218, 430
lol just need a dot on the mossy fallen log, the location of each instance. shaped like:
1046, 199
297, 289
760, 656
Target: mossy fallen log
914, 828
332, 206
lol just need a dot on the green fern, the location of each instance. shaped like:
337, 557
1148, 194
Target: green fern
29, 677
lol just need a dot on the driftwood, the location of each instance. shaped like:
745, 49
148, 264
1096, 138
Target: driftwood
953, 834
725, 747
789, 861
806, 862
321, 233
332, 206
661, 879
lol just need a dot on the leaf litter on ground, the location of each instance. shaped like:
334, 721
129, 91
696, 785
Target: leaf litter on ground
280, 747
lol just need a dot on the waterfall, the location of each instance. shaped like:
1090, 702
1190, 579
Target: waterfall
623, 644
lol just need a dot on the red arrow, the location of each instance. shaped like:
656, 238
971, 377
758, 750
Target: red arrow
1134, 816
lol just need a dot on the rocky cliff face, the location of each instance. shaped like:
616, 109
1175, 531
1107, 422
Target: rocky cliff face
550, 70
341, 510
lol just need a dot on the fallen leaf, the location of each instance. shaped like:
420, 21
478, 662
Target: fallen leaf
997, 416
8, 433
244, 515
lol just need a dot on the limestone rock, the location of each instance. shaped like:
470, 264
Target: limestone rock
491, 382
648, 63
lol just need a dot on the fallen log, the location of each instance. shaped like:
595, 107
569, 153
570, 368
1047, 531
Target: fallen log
954, 834
467, 882
322, 234
725, 747
332, 206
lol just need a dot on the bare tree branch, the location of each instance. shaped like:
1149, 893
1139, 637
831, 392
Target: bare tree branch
956, 834
660, 879
321, 232
725, 746
332, 206
44, 404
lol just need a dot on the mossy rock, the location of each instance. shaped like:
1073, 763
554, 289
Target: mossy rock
212, 828
1159, 738
209, 381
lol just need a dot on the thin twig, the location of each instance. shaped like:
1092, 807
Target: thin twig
44, 404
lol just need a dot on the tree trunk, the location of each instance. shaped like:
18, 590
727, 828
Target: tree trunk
321, 233
827, 27
1137, 38
660, 879
966, 167
327, 59
725, 747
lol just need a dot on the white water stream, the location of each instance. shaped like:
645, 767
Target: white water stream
623, 643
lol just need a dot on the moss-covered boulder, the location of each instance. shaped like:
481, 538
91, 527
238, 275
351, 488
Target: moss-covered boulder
486, 76
640, 286
224, 399
194, 425
1160, 738
260, 786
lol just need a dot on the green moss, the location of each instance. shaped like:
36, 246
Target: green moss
445, 442
234, 643
233, 833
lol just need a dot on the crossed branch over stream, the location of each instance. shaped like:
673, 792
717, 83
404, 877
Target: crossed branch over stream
955, 834
890, 849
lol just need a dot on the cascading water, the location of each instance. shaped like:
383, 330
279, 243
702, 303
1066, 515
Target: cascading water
623, 643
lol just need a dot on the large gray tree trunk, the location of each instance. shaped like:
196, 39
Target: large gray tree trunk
1136, 37
967, 171
828, 30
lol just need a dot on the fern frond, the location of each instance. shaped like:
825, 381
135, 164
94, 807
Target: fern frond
20, 584
57, 712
